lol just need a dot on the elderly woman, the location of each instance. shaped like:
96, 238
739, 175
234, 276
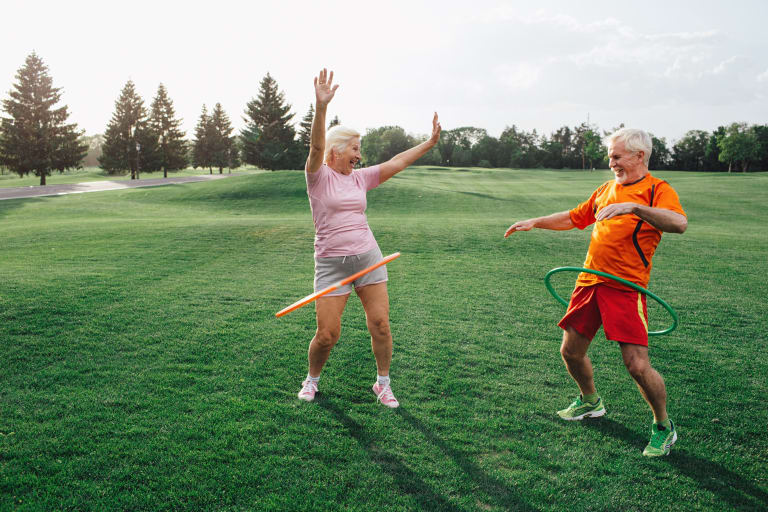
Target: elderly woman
344, 243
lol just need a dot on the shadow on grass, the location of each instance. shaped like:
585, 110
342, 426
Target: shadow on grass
502, 493
406, 480
482, 196
730, 487
10, 204
473, 194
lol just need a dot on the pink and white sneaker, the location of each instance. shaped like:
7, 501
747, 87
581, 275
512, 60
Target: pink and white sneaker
308, 390
385, 395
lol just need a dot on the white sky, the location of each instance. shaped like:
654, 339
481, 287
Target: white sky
664, 66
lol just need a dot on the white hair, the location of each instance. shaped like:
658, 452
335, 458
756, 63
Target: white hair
338, 138
634, 140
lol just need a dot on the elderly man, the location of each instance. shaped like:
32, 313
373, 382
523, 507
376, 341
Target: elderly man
630, 213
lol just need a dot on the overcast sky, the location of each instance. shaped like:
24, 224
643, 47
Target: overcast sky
664, 66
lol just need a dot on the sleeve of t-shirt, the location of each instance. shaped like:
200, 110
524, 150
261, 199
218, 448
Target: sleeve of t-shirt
666, 197
584, 214
312, 177
371, 176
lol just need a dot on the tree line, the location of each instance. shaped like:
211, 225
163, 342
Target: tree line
36, 138
728, 148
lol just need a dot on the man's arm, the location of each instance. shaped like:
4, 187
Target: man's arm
557, 221
660, 218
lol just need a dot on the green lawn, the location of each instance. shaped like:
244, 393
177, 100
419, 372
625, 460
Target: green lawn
143, 367
8, 179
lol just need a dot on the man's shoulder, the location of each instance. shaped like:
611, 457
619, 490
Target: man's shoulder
608, 185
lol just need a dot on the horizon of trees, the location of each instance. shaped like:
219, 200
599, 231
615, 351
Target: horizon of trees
137, 139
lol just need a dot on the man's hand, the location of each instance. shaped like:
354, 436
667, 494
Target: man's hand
523, 225
612, 210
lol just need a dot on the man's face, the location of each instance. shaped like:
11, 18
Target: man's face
626, 165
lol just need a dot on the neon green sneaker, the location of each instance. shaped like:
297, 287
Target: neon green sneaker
579, 410
661, 441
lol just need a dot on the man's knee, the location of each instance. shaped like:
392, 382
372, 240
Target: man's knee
638, 367
574, 346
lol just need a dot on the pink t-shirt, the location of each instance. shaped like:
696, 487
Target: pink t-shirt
338, 210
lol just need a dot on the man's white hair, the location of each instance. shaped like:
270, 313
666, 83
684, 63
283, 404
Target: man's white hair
634, 140
338, 138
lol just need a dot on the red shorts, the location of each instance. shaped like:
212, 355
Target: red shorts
623, 313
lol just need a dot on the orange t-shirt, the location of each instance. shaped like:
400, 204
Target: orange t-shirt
623, 245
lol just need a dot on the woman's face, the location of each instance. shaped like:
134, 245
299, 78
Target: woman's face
345, 161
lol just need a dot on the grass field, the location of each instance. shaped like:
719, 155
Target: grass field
143, 368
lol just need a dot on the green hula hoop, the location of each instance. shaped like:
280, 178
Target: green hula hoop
655, 297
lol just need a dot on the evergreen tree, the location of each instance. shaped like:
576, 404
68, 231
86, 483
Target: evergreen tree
36, 138
202, 155
172, 148
268, 138
306, 128
334, 122
129, 141
221, 138
234, 154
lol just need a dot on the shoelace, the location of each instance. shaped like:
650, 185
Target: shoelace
386, 394
309, 386
658, 438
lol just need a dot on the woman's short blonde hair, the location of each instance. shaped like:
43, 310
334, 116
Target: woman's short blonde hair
634, 140
338, 138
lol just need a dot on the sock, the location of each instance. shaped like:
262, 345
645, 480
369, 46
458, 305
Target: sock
592, 398
313, 379
383, 380
664, 425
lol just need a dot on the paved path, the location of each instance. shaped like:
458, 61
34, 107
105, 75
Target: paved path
99, 186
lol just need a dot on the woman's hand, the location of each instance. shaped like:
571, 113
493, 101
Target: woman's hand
324, 88
436, 129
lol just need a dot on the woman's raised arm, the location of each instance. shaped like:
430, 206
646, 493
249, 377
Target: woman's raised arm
324, 92
399, 162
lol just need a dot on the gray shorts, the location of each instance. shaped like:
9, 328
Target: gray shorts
329, 271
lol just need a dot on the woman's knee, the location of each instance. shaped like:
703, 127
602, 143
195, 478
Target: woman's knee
327, 336
379, 327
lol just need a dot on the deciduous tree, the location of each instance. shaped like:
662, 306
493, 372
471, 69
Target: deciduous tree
738, 146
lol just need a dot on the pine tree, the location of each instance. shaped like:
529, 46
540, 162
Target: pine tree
172, 148
129, 141
268, 138
222, 140
334, 122
201, 146
36, 138
306, 128
234, 154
